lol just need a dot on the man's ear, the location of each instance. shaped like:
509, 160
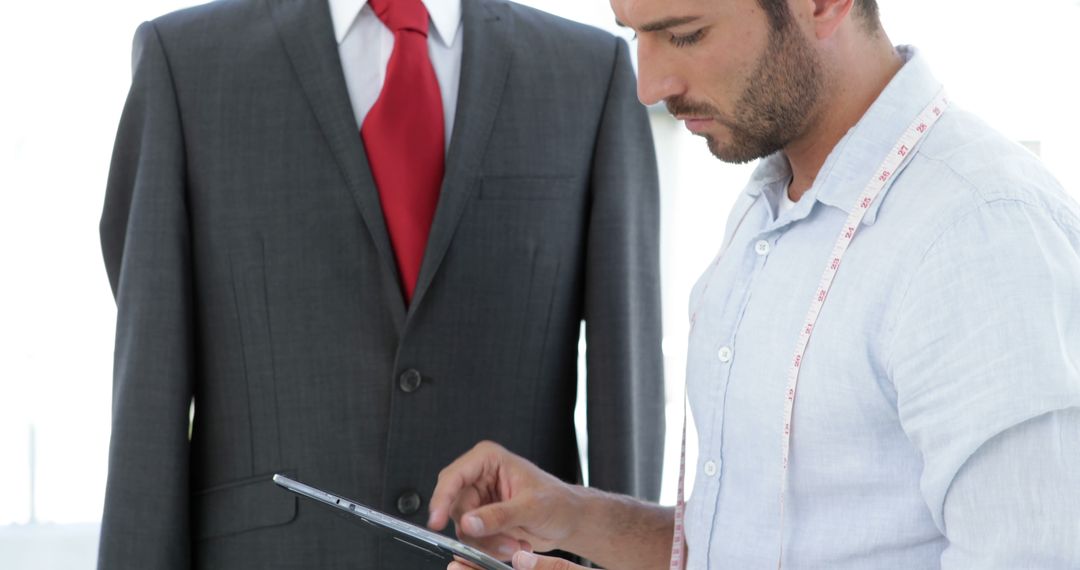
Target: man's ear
826, 16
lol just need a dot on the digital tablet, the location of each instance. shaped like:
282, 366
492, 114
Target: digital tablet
433, 544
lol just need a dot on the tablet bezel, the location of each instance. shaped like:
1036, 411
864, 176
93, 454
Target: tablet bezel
418, 537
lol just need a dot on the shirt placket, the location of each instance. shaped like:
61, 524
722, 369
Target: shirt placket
728, 301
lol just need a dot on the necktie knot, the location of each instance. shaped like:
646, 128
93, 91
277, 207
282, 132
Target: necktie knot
400, 15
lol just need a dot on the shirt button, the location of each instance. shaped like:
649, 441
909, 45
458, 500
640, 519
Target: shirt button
762, 247
408, 503
710, 468
724, 354
410, 381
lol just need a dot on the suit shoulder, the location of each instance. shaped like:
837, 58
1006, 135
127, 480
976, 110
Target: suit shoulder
223, 34
550, 36
211, 20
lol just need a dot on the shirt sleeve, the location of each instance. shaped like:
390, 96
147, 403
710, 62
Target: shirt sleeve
1016, 502
985, 357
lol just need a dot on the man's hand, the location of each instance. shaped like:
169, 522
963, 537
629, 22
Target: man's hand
507, 507
528, 561
503, 504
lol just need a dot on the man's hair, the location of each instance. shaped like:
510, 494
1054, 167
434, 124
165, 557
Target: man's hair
780, 15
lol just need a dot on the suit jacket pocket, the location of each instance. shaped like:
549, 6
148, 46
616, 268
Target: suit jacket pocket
525, 187
240, 506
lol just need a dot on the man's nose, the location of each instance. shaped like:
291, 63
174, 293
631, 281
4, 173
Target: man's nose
656, 80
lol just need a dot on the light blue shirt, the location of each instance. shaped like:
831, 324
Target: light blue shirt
937, 418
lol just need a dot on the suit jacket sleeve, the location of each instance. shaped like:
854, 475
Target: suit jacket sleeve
145, 241
625, 385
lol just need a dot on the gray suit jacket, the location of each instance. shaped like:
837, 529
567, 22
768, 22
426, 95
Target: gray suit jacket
245, 245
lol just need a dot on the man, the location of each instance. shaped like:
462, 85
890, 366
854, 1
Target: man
336, 225
936, 420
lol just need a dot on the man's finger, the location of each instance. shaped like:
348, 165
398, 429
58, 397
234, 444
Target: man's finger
529, 561
461, 564
465, 471
496, 518
468, 499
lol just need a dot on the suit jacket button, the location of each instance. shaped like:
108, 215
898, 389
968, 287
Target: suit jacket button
408, 503
410, 381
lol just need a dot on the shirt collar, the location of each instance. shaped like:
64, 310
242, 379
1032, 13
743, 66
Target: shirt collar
861, 151
445, 15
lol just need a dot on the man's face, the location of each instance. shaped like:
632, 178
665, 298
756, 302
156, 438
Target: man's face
746, 86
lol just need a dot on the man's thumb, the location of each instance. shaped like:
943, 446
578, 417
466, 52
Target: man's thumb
495, 518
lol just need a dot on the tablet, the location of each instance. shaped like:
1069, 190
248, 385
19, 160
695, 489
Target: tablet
420, 538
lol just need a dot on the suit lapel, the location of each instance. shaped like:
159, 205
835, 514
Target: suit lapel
485, 60
307, 33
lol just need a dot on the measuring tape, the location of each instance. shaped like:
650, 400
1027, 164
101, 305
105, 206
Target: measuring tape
903, 148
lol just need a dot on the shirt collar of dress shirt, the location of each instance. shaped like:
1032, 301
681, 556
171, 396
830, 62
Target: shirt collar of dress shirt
853, 161
445, 15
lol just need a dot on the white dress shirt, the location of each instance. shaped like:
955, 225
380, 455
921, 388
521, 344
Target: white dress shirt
365, 45
937, 419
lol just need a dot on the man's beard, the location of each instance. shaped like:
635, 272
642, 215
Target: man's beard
777, 106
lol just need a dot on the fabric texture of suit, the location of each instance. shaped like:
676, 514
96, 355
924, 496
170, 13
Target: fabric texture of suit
245, 245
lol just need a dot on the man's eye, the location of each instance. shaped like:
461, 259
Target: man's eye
687, 40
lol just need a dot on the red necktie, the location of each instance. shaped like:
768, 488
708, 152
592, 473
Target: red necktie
403, 137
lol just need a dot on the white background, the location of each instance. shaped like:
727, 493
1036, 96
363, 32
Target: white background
65, 69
